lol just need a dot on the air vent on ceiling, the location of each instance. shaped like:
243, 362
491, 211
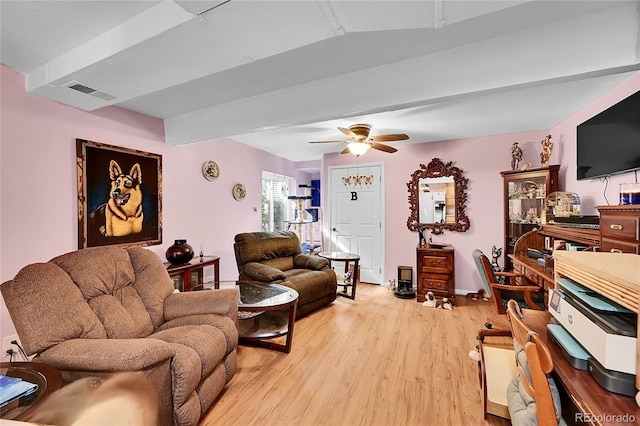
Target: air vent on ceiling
89, 90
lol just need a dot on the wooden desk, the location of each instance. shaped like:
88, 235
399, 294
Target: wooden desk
592, 401
533, 271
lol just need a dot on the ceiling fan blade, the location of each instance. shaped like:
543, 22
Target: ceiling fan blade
385, 148
328, 141
345, 151
390, 138
348, 132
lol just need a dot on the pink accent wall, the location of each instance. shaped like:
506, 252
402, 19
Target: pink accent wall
38, 216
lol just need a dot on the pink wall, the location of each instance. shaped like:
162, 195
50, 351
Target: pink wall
38, 217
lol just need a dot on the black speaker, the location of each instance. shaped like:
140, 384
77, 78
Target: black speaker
405, 283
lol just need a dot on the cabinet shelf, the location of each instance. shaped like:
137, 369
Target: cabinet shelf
525, 193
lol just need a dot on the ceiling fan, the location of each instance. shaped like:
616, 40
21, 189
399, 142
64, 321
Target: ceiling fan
360, 141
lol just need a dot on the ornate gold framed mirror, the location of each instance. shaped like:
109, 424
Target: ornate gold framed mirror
437, 198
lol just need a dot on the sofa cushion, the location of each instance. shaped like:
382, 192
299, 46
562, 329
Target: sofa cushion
98, 270
51, 311
152, 283
261, 246
281, 263
123, 314
311, 285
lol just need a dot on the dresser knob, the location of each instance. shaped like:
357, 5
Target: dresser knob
615, 250
616, 227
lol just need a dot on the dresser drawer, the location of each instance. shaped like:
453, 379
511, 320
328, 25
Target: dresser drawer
620, 228
616, 246
435, 263
434, 283
532, 276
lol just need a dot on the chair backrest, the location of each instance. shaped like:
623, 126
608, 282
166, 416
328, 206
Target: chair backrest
538, 393
487, 274
99, 292
275, 249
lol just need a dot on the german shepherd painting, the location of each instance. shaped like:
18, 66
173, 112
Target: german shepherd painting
122, 209
122, 214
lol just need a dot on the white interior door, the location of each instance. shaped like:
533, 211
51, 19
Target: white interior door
356, 222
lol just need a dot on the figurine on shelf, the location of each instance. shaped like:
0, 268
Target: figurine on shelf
516, 156
547, 147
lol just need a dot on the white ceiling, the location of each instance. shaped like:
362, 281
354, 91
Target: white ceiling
277, 74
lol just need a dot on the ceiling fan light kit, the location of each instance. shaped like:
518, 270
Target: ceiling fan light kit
358, 148
360, 141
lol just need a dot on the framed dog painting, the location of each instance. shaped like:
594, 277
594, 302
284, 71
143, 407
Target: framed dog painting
119, 195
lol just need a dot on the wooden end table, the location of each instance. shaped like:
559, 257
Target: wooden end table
336, 256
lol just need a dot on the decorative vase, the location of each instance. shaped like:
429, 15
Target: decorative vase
179, 253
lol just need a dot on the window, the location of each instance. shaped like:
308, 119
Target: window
275, 189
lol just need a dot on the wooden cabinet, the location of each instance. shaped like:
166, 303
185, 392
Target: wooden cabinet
436, 271
524, 197
189, 274
620, 228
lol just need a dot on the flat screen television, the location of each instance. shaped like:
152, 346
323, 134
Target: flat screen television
609, 143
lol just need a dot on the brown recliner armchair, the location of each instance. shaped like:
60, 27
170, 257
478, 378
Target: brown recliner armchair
276, 257
99, 311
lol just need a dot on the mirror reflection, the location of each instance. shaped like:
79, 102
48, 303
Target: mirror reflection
436, 200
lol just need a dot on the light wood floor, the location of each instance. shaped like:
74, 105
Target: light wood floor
376, 360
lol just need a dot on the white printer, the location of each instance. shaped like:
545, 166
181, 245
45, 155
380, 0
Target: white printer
595, 334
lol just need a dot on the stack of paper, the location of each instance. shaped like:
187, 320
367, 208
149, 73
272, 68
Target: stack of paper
12, 388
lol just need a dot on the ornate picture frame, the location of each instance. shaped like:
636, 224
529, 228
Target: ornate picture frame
119, 195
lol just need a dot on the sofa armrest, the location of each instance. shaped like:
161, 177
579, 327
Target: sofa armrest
219, 302
106, 354
306, 261
261, 272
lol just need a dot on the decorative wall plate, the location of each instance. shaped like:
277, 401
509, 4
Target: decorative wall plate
210, 170
239, 191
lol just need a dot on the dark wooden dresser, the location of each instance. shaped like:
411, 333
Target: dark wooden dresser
620, 228
436, 271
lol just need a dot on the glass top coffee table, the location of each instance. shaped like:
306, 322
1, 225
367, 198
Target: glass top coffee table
265, 312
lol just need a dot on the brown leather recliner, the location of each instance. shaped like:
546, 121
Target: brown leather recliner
276, 257
100, 311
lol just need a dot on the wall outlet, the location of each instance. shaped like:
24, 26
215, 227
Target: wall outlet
7, 345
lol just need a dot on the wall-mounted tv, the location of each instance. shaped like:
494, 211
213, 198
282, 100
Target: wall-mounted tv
609, 143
